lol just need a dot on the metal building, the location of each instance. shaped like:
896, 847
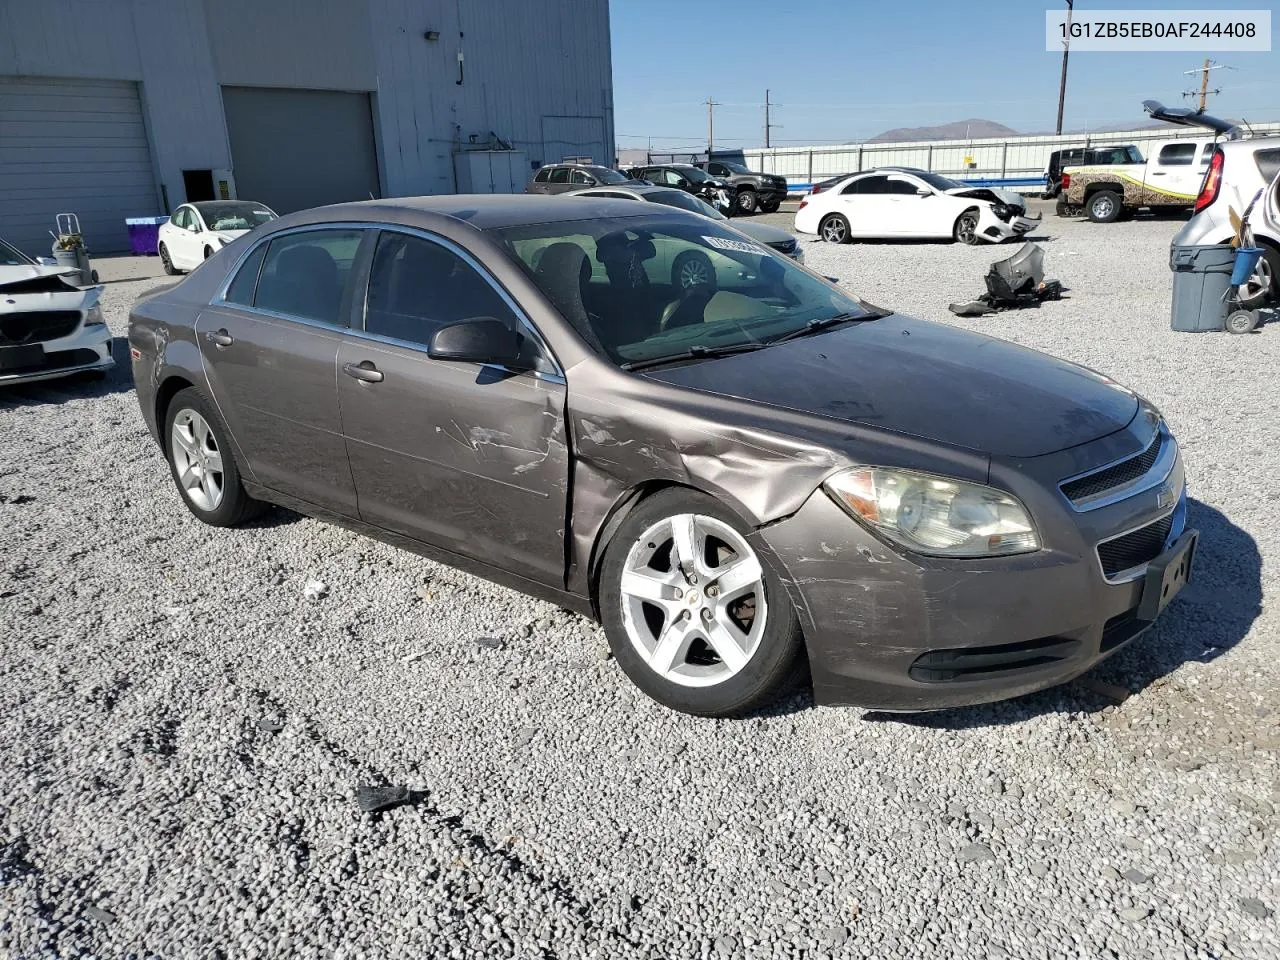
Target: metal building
124, 108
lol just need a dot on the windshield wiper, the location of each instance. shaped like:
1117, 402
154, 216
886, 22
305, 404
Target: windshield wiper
699, 351
818, 324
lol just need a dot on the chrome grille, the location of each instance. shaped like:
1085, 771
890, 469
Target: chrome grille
1116, 475
1134, 548
35, 326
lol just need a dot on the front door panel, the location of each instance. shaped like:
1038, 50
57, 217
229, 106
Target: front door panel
469, 458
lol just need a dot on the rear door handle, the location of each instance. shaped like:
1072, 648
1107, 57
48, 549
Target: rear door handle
220, 338
364, 371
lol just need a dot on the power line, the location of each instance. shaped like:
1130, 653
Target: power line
1204, 91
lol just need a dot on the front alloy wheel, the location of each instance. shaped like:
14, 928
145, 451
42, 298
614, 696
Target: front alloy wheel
966, 230
694, 614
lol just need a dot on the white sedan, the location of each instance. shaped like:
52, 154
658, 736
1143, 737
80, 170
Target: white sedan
197, 231
892, 203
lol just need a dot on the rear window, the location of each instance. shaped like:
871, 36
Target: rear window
541, 175
1268, 162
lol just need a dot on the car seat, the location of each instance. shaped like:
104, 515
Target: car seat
563, 273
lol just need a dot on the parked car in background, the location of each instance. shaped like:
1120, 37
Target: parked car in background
49, 327
685, 176
830, 182
706, 471
696, 269
903, 202
1240, 170
197, 231
1169, 179
563, 177
1127, 153
753, 191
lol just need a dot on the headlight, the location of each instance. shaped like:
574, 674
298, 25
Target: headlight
935, 515
93, 317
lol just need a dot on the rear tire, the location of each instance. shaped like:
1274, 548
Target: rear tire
1264, 286
653, 592
834, 228
1105, 206
202, 463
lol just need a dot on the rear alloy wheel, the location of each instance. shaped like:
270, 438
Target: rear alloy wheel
169, 268
966, 228
834, 229
692, 268
694, 616
748, 202
1105, 206
1260, 288
202, 464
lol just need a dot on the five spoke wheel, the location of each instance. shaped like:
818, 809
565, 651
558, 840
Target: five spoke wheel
197, 460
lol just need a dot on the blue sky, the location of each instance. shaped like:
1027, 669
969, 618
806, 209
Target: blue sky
847, 70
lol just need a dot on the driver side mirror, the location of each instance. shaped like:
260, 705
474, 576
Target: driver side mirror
478, 340
923, 192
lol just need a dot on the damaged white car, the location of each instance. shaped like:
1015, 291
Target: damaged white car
48, 326
901, 202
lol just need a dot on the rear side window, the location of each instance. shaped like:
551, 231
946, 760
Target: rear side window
246, 279
541, 175
1177, 155
417, 286
560, 175
1268, 162
868, 185
305, 274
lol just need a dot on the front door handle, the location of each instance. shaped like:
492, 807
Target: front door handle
1157, 173
364, 371
220, 338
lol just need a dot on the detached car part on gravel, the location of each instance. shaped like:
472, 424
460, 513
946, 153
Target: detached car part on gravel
1013, 283
734, 478
49, 327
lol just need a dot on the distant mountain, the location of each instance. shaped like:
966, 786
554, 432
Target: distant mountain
975, 129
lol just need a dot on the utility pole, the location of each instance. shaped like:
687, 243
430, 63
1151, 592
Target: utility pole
1204, 82
711, 125
768, 127
1066, 50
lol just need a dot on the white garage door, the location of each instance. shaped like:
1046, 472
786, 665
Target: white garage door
294, 149
74, 146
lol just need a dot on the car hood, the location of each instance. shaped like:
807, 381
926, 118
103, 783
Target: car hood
764, 233
23, 275
926, 380
991, 195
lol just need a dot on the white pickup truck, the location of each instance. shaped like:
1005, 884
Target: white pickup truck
1171, 177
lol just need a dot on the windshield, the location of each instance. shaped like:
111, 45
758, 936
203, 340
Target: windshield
642, 288
939, 182
685, 201
605, 175
694, 174
234, 214
735, 167
13, 257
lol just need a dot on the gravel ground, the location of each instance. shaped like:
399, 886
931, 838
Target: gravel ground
182, 731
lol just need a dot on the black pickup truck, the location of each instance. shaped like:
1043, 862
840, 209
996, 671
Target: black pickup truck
755, 191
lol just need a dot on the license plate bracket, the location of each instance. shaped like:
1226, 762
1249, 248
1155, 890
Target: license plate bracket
22, 355
1167, 574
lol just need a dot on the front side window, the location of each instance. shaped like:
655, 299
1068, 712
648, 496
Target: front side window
180, 218
579, 177
668, 283
902, 187
559, 175
417, 286
1177, 155
305, 274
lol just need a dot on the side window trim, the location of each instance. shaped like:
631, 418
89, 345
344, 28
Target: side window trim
220, 298
516, 311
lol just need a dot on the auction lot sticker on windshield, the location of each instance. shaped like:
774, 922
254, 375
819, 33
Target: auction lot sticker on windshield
720, 243
1199, 31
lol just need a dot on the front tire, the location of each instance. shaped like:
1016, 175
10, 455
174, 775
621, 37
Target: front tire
1261, 288
166, 261
835, 229
748, 202
966, 228
1105, 206
201, 462
696, 617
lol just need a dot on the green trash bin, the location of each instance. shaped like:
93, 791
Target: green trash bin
1201, 280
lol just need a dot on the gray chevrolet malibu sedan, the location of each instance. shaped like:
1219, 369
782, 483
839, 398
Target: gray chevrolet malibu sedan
738, 478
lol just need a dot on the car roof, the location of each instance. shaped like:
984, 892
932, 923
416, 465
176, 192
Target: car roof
639, 189
488, 211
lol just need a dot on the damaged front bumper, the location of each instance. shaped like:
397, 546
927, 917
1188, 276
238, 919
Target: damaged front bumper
893, 631
85, 351
51, 329
996, 229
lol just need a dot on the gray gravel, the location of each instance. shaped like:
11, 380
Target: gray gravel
182, 731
